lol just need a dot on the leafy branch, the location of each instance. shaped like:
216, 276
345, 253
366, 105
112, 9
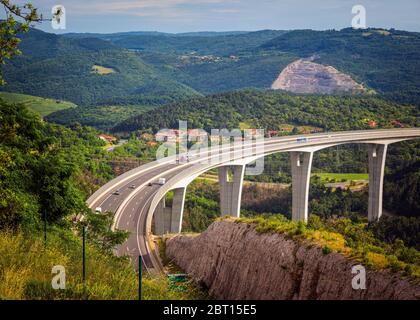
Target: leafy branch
18, 19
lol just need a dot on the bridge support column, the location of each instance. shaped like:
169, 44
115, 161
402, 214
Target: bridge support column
177, 210
377, 157
169, 219
301, 163
231, 190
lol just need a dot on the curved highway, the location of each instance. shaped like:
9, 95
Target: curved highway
134, 196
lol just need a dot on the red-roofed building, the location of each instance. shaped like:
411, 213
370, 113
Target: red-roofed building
372, 123
106, 138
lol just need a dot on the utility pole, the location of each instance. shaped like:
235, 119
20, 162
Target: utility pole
45, 228
84, 253
140, 276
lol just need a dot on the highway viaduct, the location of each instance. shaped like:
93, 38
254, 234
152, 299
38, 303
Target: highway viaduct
142, 202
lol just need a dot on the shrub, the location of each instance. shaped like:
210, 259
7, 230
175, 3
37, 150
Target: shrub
326, 250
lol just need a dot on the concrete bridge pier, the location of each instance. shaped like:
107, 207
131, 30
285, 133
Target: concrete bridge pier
169, 219
301, 163
231, 189
377, 157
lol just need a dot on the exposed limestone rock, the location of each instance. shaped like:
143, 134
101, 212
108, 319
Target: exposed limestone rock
304, 76
235, 262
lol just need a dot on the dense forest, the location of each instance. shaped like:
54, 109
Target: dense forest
271, 110
102, 117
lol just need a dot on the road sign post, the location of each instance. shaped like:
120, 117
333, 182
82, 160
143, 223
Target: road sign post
84, 253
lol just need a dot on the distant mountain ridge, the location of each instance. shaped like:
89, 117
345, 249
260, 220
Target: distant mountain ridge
153, 33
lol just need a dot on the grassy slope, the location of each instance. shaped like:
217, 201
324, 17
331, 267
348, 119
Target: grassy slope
42, 106
25, 271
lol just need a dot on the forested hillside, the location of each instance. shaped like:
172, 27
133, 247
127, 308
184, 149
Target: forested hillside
102, 117
89, 71
270, 110
83, 71
144, 69
384, 60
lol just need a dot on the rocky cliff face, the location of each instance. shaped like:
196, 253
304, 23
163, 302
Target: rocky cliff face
235, 262
303, 76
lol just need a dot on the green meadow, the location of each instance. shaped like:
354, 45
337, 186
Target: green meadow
42, 106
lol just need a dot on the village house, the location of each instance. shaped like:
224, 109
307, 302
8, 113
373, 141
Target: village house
106, 138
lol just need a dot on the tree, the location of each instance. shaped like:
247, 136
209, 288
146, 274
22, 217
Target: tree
100, 232
18, 18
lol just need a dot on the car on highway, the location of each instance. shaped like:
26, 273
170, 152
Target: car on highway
302, 139
117, 192
133, 186
162, 181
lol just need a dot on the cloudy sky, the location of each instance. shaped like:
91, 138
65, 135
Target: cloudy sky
226, 15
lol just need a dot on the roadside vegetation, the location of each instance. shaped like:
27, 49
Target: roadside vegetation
26, 264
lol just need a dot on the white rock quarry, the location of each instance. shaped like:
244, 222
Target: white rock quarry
305, 76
